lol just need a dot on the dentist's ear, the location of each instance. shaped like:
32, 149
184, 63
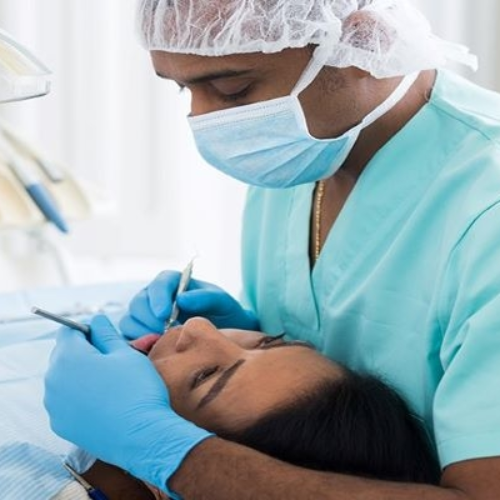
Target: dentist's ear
365, 29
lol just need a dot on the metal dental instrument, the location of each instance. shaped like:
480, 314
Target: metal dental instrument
92, 492
183, 284
85, 329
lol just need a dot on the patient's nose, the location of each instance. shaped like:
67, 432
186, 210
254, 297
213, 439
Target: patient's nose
196, 331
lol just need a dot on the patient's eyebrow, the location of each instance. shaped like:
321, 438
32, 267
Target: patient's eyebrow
220, 384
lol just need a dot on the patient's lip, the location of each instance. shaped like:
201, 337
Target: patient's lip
145, 343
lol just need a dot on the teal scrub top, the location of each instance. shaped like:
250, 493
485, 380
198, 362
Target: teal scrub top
407, 285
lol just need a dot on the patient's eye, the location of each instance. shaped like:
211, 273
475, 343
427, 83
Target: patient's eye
278, 340
203, 375
270, 340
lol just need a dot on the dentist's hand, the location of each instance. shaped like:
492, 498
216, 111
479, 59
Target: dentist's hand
151, 307
109, 400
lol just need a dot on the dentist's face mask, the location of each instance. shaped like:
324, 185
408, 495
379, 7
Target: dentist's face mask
268, 144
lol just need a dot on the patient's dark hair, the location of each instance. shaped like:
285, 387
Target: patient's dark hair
354, 425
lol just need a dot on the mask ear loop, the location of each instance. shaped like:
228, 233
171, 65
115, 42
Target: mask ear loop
318, 61
396, 96
313, 68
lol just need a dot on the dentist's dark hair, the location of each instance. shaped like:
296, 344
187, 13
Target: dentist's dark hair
354, 425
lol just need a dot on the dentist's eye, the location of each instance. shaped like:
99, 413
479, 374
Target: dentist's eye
236, 96
203, 375
232, 89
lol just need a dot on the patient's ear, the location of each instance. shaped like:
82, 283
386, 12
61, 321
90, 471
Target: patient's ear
117, 484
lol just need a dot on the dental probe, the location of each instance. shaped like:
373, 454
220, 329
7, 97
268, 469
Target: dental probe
92, 492
85, 329
183, 284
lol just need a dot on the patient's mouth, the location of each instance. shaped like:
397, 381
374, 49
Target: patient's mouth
145, 343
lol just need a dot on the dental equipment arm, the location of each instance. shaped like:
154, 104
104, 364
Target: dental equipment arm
34, 187
22, 75
151, 307
109, 400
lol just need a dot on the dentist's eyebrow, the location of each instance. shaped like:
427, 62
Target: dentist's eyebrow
220, 384
208, 77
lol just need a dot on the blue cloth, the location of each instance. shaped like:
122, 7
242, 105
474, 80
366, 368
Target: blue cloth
28, 471
407, 284
30, 453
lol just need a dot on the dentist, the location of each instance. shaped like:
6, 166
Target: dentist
371, 229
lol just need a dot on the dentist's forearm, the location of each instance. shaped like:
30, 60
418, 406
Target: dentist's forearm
220, 470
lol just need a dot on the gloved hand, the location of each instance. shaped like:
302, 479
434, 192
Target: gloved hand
151, 307
109, 400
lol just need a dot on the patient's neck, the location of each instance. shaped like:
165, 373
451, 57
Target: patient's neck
116, 484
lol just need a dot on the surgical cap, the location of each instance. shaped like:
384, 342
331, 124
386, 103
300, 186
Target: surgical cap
384, 37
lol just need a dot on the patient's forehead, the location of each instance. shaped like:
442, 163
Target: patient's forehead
273, 380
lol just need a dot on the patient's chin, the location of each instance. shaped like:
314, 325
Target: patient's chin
145, 343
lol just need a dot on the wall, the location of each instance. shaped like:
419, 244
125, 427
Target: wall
112, 122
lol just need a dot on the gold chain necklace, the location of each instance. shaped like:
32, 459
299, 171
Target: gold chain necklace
318, 202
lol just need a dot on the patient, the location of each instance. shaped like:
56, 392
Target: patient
286, 400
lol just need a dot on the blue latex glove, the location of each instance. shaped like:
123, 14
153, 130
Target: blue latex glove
109, 399
151, 307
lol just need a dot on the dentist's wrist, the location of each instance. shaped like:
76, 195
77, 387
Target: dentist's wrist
165, 458
79, 460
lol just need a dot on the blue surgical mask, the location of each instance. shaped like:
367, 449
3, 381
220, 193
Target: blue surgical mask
268, 143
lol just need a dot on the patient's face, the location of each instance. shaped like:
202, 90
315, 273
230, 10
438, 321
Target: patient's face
226, 379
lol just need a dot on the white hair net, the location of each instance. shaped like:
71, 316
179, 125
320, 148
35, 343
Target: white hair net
384, 37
